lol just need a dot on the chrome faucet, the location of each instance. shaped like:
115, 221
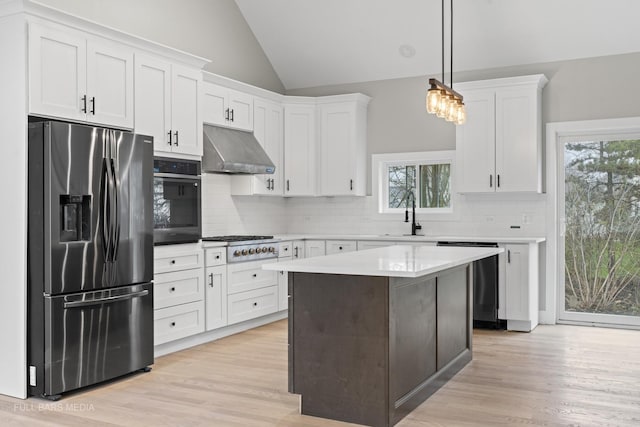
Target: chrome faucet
414, 225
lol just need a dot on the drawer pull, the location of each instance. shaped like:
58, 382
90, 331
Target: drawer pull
173, 289
340, 247
211, 279
255, 304
173, 261
255, 274
217, 256
172, 324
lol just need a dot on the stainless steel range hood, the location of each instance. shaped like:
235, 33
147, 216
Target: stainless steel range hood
234, 152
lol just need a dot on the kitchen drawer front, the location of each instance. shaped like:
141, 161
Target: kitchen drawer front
251, 304
338, 246
179, 287
177, 322
215, 256
166, 260
247, 276
285, 249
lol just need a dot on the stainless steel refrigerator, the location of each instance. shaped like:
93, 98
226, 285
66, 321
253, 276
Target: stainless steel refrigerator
90, 255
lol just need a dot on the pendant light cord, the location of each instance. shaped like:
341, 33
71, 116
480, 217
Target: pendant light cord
442, 10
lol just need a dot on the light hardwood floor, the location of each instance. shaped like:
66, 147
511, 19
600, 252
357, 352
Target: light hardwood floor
556, 375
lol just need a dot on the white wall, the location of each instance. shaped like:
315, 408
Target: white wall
213, 29
13, 218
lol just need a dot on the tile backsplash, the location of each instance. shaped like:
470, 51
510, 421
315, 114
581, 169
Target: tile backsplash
474, 215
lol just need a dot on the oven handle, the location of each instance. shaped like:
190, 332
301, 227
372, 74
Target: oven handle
176, 175
106, 300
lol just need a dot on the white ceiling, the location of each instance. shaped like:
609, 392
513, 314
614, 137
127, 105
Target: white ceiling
321, 42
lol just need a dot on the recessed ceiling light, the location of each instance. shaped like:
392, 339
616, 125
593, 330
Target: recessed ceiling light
407, 51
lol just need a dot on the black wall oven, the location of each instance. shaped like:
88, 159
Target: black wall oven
176, 201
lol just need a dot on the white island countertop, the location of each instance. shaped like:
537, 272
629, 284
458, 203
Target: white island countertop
391, 261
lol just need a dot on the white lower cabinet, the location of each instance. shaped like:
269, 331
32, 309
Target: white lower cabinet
178, 287
216, 296
177, 322
339, 246
298, 249
521, 286
178, 292
314, 248
251, 291
251, 304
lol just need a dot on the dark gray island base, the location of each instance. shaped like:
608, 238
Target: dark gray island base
370, 349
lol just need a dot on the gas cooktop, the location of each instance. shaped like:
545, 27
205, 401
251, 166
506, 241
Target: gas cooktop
247, 248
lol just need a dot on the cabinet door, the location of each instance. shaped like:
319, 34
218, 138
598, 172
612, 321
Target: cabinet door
109, 84
57, 72
518, 148
283, 287
475, 144
185, 119
267, 128
314, 248
240, 110
337, 149
299, 150
214, 104
216, 297
153, 100
298, 249
517, 282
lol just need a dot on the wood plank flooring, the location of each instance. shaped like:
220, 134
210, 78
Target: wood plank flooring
554, 376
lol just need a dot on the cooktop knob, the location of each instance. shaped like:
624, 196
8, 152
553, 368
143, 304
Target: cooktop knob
252, 251
244, 252
271, 249
236, 252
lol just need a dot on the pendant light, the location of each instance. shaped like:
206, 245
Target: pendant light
442, 100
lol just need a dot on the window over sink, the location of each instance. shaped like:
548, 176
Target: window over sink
425, 176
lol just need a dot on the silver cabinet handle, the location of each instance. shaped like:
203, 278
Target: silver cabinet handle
176, 134
169, 133
93, 105
84, 104
490, 181
211, 279
287, 185
351, 184
509, 256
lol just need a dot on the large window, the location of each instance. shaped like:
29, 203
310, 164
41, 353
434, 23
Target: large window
425, 177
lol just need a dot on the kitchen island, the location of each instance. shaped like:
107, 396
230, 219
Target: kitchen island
374, 333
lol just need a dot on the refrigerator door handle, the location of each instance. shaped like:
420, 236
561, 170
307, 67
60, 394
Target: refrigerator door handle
106, 300
106, 208
114, 191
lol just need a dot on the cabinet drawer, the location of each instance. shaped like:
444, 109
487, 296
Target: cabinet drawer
249, 275
337, 246
215, 256
251, 304
169, 259
285, 249
179, 287
178, 322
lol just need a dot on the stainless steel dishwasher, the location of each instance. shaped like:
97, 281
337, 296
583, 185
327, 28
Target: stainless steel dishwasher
485, 286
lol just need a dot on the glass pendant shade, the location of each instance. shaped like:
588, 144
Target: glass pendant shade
441, 112
452, 110
433, 100
461, 114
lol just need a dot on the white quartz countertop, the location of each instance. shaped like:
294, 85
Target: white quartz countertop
409, 238
390, 261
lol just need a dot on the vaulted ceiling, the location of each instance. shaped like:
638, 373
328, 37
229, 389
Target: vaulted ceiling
321, 42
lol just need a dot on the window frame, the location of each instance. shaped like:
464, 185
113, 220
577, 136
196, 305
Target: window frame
380, 168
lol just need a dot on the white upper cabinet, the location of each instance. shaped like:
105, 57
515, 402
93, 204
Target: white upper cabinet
300, 149
167, 105
227, 107
499, 148
343, 145
76, 76
268, 125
